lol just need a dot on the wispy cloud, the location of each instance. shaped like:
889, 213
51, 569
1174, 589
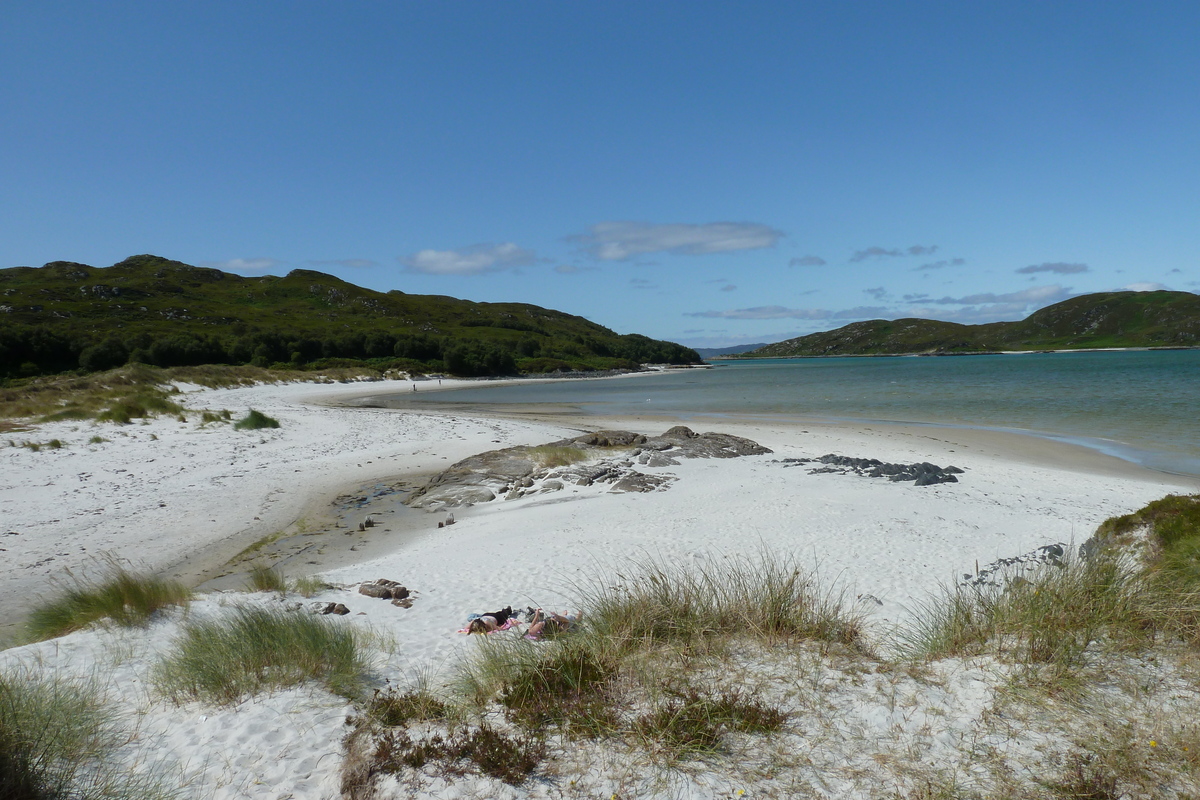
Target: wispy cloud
1144, 286
729, 288
952, 262
348, 263
245, 264
881, 252
572, 269
781, 312
1056, 266
642, 283
807, 261
620, 241
1034, 295
477, 259
976, 308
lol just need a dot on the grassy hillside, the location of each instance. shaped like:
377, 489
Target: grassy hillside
66, 316
1107, 319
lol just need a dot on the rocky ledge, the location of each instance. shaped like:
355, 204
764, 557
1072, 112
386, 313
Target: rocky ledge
603, 457
922, 474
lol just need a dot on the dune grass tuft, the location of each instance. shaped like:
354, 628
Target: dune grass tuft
123, 597
650, 636
250, 650
763, 597
56, 741
266, 579
309, 585
255, 420
548, 456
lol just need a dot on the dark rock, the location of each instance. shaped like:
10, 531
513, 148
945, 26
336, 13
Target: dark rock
921, 474
375, 590
329, 608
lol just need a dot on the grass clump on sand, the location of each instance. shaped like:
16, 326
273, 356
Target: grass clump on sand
250, 650
123, 597
57, 740
1122, 593
255, 420
765, 597
645, 667
266, 579
549, 456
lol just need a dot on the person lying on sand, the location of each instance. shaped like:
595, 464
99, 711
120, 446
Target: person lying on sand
551, 623
494, 620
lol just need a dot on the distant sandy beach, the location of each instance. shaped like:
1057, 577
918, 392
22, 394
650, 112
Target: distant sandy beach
183, 499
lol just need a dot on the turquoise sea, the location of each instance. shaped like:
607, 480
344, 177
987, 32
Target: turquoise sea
1143, 406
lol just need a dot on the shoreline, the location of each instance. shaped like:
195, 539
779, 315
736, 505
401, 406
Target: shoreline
884, 546
572, 415
733, 357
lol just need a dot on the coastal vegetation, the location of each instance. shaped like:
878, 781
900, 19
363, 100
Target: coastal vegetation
672, 664
120, 597
1104, 319
249, 650
69, 317
58, 739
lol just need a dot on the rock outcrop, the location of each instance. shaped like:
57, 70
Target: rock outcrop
602, 457
922, 474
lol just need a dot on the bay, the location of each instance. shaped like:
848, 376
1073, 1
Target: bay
1143, 406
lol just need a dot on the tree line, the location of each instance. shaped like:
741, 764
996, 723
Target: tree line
29, 351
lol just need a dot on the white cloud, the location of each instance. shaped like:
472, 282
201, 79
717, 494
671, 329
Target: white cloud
348, 263
245, 264
781, 312
1144, 286
807, 261
1034, 295
477, 259
1056, 266
619, 241
880, 252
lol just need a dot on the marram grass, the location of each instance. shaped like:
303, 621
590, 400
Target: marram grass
250, 650
123, 597
57, 738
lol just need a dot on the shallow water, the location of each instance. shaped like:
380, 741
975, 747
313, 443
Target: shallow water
1139, 405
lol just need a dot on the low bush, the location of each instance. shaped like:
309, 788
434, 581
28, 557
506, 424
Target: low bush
511, 759
395, 708
123, 597
255, 420
691, 722
249, 650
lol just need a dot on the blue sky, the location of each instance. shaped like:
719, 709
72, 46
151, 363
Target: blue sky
711, 173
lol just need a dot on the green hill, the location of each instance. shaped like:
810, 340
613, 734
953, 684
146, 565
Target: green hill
1106, 319
66, 316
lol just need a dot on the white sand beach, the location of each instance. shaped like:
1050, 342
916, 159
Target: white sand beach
182, 498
